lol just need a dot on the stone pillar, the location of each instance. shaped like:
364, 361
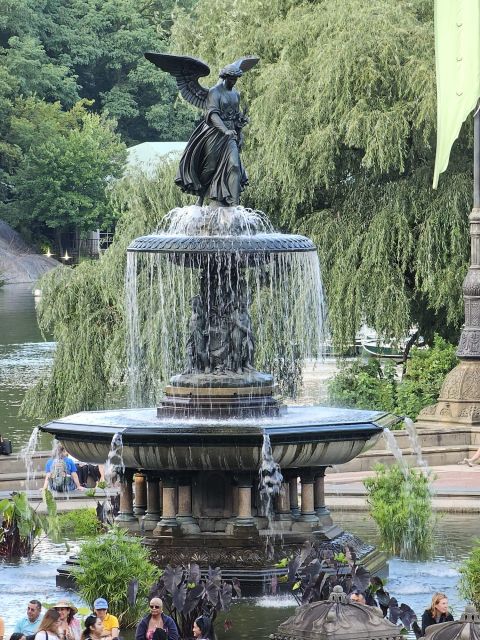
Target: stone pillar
125, 517
319, 493
168, 521
293, 491
152, 514
307, 513
140, 504
184, 511
244, 516
458, 404
282, 503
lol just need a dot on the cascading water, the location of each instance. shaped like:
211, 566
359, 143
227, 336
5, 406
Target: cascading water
270, 485
26, 454
162, 286
114, 466
417, 449
113, 470
396, 451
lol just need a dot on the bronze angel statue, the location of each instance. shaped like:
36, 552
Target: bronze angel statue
210, 166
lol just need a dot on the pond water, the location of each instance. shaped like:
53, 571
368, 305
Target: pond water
410, 582
24, 357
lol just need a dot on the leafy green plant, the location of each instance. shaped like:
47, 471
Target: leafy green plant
107, 565
21, 525
425, 374
401, 504
364, 384
371, 385
186, 594
470, 576
79, 523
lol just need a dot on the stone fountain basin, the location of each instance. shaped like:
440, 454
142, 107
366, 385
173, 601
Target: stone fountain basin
303, 437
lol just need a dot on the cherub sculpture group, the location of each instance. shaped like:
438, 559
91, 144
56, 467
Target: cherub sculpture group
221, 342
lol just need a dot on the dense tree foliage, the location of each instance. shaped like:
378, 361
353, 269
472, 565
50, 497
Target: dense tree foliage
54, 55
64, 51
340, 146
61, 181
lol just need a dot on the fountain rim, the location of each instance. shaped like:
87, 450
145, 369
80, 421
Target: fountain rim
200, 433
261, 243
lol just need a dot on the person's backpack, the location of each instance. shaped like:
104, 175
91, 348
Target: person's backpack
59, 475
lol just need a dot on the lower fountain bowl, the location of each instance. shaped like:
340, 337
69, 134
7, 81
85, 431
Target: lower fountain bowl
302, 437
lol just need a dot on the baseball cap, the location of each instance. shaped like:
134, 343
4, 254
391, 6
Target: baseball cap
100, 603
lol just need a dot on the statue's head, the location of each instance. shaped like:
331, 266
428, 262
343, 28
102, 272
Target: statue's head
231, 71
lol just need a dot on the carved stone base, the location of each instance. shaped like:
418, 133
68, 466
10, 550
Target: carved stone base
243, 394
459, 400
247, 556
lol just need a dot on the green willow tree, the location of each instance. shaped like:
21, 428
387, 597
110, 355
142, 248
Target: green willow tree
340, 147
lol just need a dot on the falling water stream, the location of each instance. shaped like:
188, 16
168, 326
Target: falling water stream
26, 454
284, 291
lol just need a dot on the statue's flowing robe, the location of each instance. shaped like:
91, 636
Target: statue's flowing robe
210, 165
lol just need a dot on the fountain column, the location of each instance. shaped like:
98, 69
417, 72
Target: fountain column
140, 504
152, 514
168, 521
125, 517
319, 494
282, 503
308, 519
184, 513
293, 491
244, 515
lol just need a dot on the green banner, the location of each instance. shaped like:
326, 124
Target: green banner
457, 56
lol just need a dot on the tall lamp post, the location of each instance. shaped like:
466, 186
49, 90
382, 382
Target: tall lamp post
458, 404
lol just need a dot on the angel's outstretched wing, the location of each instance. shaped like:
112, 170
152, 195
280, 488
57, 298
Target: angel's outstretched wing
186, 72
246, 64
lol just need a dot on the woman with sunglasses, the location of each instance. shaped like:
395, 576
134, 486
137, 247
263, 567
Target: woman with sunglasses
156, 625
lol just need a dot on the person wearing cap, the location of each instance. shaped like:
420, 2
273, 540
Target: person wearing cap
68, 625
109, 622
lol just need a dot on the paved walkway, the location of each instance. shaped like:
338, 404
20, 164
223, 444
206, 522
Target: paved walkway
456, 489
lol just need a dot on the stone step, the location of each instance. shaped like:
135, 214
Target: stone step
434, 456
17, 481
15, 463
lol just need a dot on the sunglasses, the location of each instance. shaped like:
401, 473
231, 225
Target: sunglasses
154, 606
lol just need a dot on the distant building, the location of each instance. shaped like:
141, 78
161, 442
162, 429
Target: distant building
148, 155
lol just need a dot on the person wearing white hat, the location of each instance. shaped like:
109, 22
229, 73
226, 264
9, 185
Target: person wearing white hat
68, 625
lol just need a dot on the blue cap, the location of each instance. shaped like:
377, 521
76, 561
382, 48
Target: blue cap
100, 603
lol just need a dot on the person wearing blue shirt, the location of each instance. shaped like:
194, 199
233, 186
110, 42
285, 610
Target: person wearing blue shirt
61, 472
30, 623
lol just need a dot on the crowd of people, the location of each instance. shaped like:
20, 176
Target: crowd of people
376, 596
60, 623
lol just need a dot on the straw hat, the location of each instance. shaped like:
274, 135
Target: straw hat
61, 604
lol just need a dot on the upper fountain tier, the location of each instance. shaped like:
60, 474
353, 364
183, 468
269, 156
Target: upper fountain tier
198, 231
212, 287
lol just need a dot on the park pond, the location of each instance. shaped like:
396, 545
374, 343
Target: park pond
408, 581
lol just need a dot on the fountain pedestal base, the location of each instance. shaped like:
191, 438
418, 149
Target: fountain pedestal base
243, 394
